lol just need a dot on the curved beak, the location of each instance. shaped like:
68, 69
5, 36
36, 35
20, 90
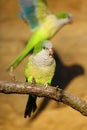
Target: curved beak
50, 51
70, 19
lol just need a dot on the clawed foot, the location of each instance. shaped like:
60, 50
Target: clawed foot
33, 81
45, 85
60, 91
12, 75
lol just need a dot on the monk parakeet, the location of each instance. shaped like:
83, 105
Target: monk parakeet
43, 23
40, 66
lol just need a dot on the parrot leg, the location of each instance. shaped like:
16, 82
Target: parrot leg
61, 93
12, 76
45, 85
33, 81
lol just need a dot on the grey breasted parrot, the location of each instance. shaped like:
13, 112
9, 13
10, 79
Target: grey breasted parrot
40, 66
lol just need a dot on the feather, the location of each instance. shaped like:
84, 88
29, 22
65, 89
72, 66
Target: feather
34, 12
28, 8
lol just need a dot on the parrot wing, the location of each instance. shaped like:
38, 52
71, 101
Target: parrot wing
34, 12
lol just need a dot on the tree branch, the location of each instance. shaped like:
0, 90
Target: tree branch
44, 91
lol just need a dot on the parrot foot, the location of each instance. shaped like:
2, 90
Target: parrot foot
61, 93
12, 76
45, 85
57, 87
33, 81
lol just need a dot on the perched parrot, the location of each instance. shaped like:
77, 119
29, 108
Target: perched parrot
43, 23
41, 67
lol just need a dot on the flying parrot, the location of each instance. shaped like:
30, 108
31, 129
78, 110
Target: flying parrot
41, 67
43, 23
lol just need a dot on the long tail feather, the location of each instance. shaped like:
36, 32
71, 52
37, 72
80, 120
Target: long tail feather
30, 106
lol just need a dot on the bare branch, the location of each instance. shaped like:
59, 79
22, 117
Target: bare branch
42, 91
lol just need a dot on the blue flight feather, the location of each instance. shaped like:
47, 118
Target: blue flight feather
22, 16
29, 13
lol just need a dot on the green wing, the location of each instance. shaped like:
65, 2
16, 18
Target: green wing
42, 10
28, 12
34, 11
38, 48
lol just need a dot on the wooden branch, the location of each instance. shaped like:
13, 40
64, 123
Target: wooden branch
44, 91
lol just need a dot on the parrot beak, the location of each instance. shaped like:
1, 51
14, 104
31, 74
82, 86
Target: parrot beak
51, 51
71, 19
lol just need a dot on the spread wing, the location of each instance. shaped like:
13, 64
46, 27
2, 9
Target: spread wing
42, 10
34, 11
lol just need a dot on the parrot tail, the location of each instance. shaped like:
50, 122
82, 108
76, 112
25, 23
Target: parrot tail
30, 106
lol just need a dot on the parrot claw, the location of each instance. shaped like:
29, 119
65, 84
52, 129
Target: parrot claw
61, 92
33, 81
12, 75
45, 85
57, 87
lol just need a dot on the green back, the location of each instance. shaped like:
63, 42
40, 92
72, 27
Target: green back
62, 15
38, 48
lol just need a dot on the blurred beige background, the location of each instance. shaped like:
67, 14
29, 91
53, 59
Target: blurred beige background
71, 46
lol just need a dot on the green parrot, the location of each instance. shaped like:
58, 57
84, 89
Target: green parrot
41, 67
43, 23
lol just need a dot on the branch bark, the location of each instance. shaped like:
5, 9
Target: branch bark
51, 92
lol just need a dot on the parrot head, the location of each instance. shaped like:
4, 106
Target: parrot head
47, 45
64, 16
44, 55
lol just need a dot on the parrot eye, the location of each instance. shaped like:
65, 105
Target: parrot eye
45, 48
